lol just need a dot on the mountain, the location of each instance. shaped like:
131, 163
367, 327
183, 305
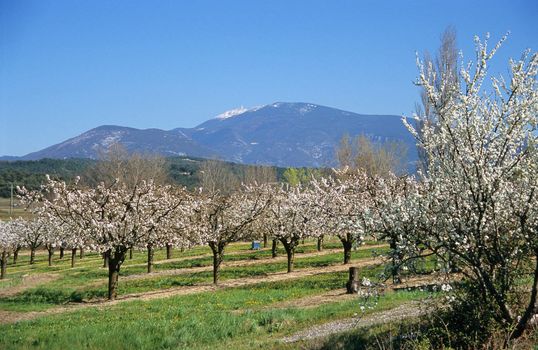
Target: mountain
282, 134
90, 143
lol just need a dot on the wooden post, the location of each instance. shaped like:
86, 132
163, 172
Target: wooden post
353, 284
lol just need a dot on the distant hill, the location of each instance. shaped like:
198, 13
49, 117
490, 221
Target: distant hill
281, 134
154, 141
183, 171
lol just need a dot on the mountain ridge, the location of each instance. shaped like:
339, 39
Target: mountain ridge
281, 134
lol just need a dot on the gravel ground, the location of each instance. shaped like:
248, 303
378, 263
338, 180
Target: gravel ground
411, 309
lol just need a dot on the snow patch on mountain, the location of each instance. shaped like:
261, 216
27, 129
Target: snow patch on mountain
307, 108
236, 111
106, 142
232, 113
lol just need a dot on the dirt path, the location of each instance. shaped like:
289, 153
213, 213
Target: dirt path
407, 310
12, 316
28, 281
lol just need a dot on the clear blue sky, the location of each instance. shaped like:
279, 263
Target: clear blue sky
69, 66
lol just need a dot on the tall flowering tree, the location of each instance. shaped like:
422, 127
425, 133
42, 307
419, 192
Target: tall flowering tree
32, 233
52, 238
394, 217
9, 240
166, 220
113, 218
220, 219
292, 217
342, 202
481, 185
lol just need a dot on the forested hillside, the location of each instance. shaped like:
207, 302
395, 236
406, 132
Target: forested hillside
182, 171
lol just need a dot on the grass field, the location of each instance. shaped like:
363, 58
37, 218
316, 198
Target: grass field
16, 211
255, 305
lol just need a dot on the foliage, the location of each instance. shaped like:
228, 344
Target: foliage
298, 176
478, 205
375, 158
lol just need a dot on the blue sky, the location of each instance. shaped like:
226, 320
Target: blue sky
69, 66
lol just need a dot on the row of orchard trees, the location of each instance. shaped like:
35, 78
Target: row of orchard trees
113, 218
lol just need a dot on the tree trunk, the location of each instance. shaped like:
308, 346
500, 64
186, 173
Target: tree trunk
290, 252
150, 258
274, 251
218, 255
265, 240
131, 253
81, 253
106, 258
51, 253
532, 307
73, 256
320, 243
347, 250
62, 249
3, 265
114, 264
396, 258
291, 256
16, 254
32, 256
168, 251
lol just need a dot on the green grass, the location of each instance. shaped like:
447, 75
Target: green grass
70, 286
239, 318
206, 320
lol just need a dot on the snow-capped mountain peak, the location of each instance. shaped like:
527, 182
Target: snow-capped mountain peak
237, 111
232, 113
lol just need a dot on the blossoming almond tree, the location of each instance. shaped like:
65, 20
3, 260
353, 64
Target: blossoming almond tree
481, 182
8, 243
32, 233
292, 217
393, 217
112, 218
166, 220
343, 201
220, 219
53, 238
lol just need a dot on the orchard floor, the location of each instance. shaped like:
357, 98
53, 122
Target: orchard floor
256, 304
